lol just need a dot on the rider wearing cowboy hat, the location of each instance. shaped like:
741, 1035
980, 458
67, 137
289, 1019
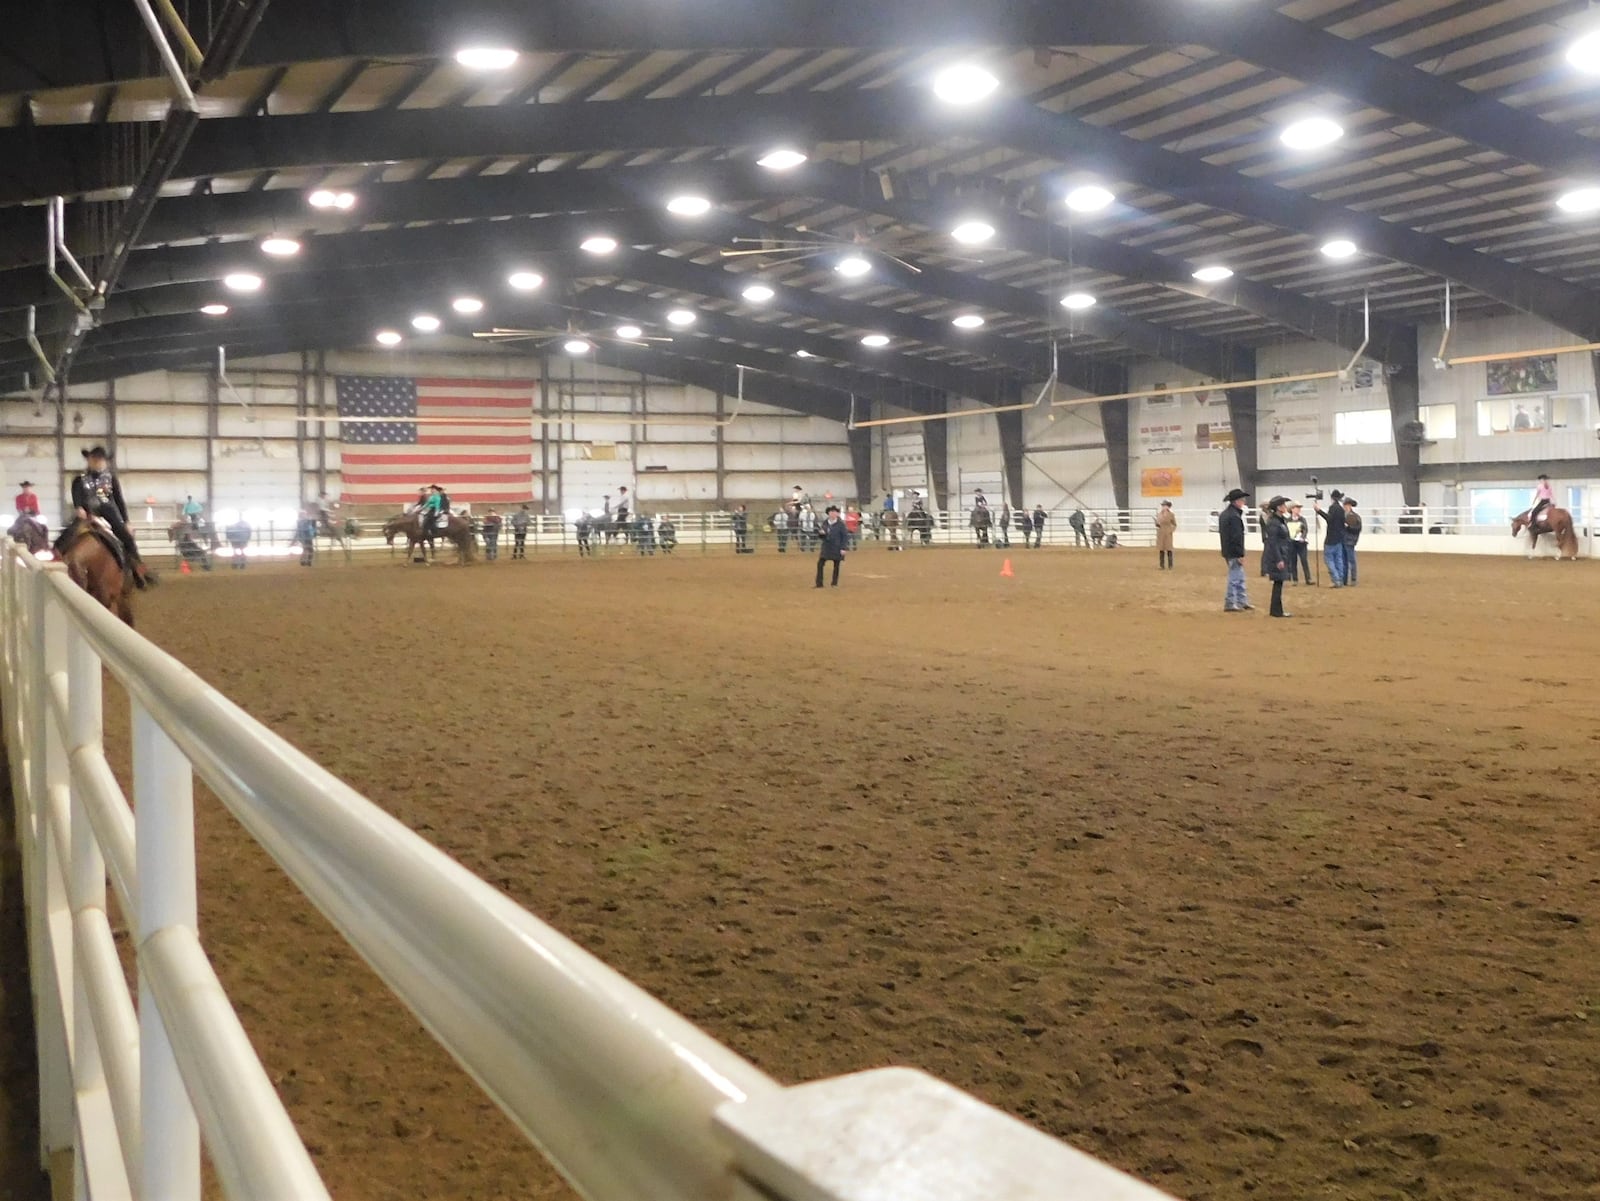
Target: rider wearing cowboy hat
97, 493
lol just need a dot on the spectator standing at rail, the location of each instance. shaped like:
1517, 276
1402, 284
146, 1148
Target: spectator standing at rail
584, 528
981, 518
1166, 527
1299, 538
780, 527
741, 529
833, 542
306, 535
808, 528
1280, 549
1039, 516
519, 532
491, 535
1333, 540
1230, 531
667, 535
1002, 526
852, 526
238, 540
1352, 535
1079, 538
1097, 532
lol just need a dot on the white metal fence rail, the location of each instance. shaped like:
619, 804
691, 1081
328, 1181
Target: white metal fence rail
625, 1097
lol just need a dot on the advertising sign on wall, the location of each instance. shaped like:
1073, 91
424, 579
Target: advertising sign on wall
1213, 435
1165, 438
1295, 429
1161, 481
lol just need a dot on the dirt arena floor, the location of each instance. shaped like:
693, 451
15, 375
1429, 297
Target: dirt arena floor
1301, 909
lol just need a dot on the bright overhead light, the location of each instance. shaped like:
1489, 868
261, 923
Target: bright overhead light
280, 248
689, 206
853, 267
758, 293
1584, 54
1339, 248
970, 233
486, 58
1090, 198
525, 281
804, 354
1580, 200
681, 317
599, 244
242, 281
968, 321
630, 332
1214, 274
214, 310
425, 323
964, 83
387, 337
875, 340
467, 304
1077, 300
325, 198
781, 159
575, 346
1313, 133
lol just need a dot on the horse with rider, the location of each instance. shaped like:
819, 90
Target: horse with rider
1546, 517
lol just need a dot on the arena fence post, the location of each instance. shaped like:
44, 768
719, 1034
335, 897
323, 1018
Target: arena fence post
163, 797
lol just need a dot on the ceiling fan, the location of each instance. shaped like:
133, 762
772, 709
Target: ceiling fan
892, 244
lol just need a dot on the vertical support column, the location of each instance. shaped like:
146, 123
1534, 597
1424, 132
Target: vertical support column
544, 434
861, 466
722, 459
1114, 423
63, 488
111, 421
1011, 444
1243, 416
163, 799
213, 410
1401, 367
301, 413
322, 422
936, 446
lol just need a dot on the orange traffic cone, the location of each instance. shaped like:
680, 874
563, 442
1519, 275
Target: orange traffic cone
1005, 570
183, 568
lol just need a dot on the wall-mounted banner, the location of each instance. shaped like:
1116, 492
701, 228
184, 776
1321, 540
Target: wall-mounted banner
1213, 435
1513, 377
1295, 429
1163, 439
1161, 404
1161, 481
1299, 387
1212, 399
1363, 377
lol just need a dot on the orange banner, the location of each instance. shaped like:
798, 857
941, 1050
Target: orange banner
1161, 481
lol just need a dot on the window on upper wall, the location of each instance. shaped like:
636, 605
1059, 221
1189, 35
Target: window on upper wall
1531, 414
1362, 427
1438, 422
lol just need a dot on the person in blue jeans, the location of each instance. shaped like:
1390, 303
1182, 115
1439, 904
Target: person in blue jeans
1333, 543
1230, 530
1352, 535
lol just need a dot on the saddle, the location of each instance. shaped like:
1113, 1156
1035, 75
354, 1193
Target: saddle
97, 528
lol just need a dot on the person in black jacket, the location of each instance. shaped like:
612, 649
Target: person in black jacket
1230, 529
1279, 553
1333, 543
833, 540
98, 493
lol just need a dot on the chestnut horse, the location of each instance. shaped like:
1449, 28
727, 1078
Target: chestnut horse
1554, 521
29, 531
457, 530
92, 566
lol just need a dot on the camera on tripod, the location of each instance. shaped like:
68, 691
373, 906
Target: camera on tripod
1316, 492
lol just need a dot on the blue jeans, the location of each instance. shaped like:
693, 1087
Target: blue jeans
1349, 565
1236, 598
1334, 557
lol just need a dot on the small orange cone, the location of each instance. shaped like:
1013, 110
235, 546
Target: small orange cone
183, 569
1005, 570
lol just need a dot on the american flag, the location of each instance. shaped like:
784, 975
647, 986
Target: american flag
473, 436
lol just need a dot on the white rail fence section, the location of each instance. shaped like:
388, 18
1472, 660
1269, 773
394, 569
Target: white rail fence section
626, 1098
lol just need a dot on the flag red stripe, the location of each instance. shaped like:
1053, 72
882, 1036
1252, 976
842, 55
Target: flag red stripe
480, 439
526, 385
366, 460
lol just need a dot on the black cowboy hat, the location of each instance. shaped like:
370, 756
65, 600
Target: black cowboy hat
1351, 501
1336, 494
1166, 504
1236, 494
96, 450
26, 484
1544, 477
1276, 501
831, 509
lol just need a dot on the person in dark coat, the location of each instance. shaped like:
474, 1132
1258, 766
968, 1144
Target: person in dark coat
1230, 530
741, 530
97, 492
834, 540
1333, 543
1352, 535
1079, 538
519, 533
1038, 526
1280, 551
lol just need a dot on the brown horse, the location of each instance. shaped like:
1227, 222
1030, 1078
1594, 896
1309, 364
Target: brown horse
456, 530
29, 531
92, 566
194, 543
1553, 521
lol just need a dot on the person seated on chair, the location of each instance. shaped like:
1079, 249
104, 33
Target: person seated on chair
1544, 497
97, 493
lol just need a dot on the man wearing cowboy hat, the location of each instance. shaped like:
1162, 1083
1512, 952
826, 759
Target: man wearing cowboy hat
28, 501
1230, 529
98, 493
1333, 541
1279, 551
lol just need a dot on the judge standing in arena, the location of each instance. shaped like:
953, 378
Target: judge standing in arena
1230, 530
834, 539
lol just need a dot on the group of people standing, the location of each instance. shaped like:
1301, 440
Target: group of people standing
983, 520
1285, 536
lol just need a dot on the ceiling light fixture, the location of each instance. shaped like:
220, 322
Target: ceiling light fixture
804, 354
575, 346
280, 248
598, 244
214, 310
853, 267
968, 321
681, 318
1214, 274
1077, 300
1339, 248
242, 281
324, 198
689, 206
525, 281
388, 337
971, 233
1584, 54
964, 83
781, 158
758, 293
1580, 200
629, 332
425, 323
467, 305
1090, 198
875, 340
1313, 133
486, 58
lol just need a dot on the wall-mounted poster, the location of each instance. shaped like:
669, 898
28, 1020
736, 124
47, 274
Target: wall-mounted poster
1295, 429
1163, 438
1212, 398
1295, 388
1513, 377
1161, 481
1164, 403
1213, 435
1363, 377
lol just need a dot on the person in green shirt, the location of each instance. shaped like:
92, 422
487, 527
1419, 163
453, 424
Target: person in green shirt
434, 509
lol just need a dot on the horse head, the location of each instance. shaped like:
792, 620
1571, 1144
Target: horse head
1518, 524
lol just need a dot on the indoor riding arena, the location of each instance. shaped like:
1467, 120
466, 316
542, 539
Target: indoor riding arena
747, 604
